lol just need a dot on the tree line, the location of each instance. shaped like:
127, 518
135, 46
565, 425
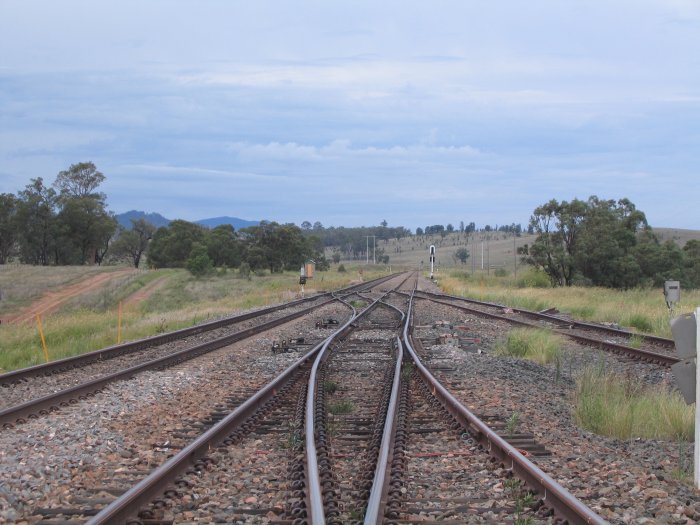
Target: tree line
65, 223
594, 242
606, 243
268, 246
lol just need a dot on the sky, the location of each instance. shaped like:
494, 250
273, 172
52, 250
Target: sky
350, 113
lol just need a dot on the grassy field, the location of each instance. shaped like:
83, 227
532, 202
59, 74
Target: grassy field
90, 322
488, 251
21, 284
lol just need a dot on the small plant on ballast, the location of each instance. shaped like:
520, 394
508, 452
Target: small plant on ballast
512, 423
341, 407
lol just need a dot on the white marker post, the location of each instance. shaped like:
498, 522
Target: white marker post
697, 401
432, 260
686, 335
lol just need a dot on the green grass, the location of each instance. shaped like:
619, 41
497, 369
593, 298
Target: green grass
341, 407
535, 345
623, 408
90, 322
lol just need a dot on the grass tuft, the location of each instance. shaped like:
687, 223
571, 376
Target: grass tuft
535, 345
341, 407
624, 408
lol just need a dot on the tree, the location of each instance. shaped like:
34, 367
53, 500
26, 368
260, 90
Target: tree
419, 231
85, 229
384, 224
306, 225
36, 215
171, 245
462, 254
450, 228
461, 226
691, 252
8, 225
596, 242
336, 257
199, 264
84, 224
80, 180
133, 243
223, 246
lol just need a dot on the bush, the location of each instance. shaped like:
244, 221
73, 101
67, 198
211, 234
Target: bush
500, 272
341, 268
244, 270
199, 264
534, 279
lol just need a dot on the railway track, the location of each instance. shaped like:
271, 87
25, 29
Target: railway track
46, 388
651, 349
362, 428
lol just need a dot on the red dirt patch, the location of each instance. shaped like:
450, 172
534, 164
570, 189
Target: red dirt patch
144, 293
52, 300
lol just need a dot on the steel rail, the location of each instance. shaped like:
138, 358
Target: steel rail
554, 495
51, 402
109, 352
617, 348
380, 484
316, 514
553, 318
157, 481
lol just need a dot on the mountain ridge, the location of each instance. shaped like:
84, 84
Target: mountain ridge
124, 219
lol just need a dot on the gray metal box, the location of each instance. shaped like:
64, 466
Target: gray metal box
672, 292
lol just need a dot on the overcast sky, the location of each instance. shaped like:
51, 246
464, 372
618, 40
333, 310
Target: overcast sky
349, 113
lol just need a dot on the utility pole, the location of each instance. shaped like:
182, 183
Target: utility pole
374, 248
488, 256
515, 259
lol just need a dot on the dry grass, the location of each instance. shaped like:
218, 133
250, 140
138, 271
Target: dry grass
620, 407
21, 284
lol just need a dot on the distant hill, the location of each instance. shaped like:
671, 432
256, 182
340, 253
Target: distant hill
158, 220
234, 221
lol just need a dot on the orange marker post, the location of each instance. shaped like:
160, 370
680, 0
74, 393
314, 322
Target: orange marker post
119, 324
43, 340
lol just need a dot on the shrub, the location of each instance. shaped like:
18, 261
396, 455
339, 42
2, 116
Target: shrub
199, 264
500, 272
244, 270
341, 268
534, 279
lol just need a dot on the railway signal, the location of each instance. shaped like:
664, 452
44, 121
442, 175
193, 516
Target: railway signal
685, 330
